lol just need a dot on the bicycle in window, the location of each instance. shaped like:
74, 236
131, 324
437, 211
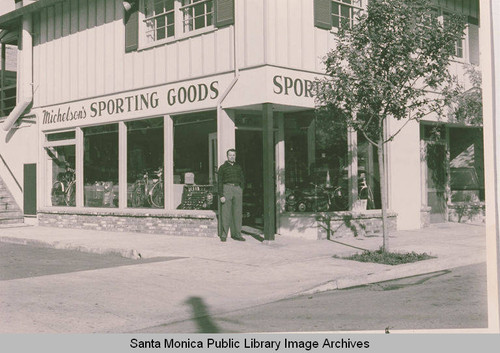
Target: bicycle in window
317, 198
64, 189
148, 191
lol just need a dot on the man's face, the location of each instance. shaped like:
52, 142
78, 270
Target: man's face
231, 156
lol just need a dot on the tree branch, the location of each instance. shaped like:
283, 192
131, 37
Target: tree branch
399, 130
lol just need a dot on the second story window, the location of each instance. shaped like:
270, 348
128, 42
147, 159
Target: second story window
159, 19
8, 76
459, 48
168, 19
344, 12
459, 44
197, 14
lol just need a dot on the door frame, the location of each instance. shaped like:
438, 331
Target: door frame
425, 143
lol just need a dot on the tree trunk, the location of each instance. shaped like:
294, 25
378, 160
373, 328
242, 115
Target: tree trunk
383, 194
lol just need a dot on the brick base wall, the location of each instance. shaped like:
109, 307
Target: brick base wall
335, 224
425, 217
202, 224
464, 212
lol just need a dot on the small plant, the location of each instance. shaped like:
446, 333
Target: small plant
467, 210
387, 258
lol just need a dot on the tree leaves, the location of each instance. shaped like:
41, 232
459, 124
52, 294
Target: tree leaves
386, 64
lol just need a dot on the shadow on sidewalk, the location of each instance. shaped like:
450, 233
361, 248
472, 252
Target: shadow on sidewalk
201, 316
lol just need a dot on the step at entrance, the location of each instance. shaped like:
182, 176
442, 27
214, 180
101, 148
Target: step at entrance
10, 212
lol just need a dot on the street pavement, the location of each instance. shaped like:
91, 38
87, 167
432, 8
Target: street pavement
209, 277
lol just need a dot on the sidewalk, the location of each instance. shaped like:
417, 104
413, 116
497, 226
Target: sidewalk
227, 276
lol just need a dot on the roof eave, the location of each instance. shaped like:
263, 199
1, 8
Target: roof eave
11, 19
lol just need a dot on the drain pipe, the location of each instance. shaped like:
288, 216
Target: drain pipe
236, 74
221, 99
26, 70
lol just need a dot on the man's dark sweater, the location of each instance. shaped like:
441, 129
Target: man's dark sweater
230, 174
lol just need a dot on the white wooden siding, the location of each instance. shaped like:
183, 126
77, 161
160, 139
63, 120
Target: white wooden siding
79, 47
80, 52
292, 40
253, 33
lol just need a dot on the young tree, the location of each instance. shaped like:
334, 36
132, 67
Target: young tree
467, 107
392, 63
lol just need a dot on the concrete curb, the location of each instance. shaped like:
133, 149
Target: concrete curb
130, 254
392, 273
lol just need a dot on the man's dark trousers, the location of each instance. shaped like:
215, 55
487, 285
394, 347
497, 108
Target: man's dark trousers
232, 211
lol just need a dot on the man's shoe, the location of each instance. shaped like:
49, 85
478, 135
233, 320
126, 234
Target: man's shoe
223, 239
238, 238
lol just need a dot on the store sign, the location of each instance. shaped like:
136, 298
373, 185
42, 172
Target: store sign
292, 86
168, 99
192, 93
126, 104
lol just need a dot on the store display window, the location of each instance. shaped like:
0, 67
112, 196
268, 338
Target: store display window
145, 156
368, 174
315, 164
466, 165
62, 175
193, 175
100, 166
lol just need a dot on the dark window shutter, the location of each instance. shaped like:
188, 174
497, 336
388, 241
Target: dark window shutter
473, 20
323, 14
131, 20
224, 12
473, 44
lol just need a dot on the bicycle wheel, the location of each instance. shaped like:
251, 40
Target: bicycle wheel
57, 194
156, 195
70, 197
138, 197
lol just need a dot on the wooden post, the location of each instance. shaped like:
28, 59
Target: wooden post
352, 163
268, 171
80, 188
2, 82
279, 148
168, 162
122, 165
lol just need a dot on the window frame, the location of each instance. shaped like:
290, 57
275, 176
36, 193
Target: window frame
192, 5
443, 12
47, 172
355, 5
179, 33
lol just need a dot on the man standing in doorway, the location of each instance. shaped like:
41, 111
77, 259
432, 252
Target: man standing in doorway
231, 183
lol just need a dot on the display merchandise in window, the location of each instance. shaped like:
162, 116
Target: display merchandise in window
100, 166
315, 165
145, 148
63, 180
368, 174
193, 185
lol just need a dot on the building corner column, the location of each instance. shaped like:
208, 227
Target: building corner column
268, 171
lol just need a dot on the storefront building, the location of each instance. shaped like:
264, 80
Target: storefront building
124, 111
